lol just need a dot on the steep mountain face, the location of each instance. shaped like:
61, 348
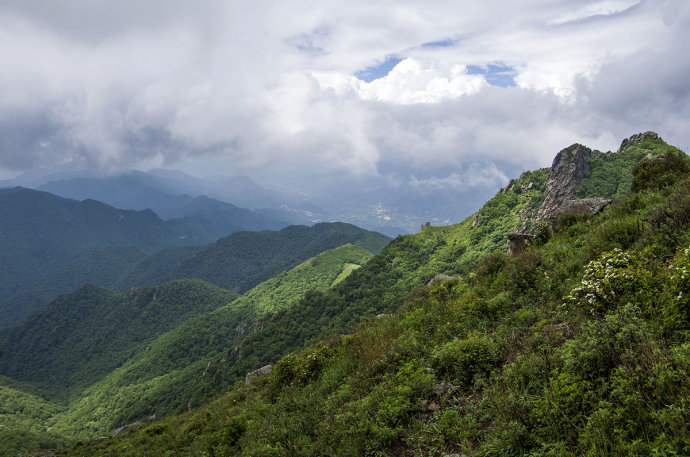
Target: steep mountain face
569, 167
578, 345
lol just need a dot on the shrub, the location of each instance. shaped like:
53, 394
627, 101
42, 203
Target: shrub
676, 309
614, 278
466, 358
659, 172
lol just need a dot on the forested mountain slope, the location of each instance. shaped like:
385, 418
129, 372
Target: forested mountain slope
96, 359
51, 245
39, 233
575, 345
241, 260
84, 335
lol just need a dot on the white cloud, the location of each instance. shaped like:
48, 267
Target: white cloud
270, 85
605, 8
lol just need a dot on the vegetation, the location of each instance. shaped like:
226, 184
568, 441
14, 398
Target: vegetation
106, 359
84, 335
611, 174
244, 259
43, 233
576, 346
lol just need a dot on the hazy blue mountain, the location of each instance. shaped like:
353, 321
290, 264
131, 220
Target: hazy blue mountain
140, 191
40, 233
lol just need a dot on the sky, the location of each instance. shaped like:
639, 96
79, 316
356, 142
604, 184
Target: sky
437, 94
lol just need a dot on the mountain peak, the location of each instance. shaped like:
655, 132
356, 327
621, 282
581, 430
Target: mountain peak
638, 138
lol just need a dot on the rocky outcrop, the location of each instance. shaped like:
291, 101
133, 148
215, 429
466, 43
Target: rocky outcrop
517, 242
440, 277
567, 171
638, 138
260, 372
583, 205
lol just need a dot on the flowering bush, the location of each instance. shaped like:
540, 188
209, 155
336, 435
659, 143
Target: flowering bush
677, 309
617, 276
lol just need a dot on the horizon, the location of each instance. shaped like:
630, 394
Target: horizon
448, 98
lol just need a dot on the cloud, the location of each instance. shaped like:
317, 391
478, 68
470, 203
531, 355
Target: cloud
272, 87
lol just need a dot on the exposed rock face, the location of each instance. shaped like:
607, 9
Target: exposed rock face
477, 219
235, 354
582, 205
260, 372
569, 168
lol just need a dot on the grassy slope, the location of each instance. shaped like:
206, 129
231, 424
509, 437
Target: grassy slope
579, 345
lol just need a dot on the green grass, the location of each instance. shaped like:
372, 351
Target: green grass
347, 270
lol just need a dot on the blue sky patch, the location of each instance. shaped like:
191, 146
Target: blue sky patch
372, 73
440, 44
495, 74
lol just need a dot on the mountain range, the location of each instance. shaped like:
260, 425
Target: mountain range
52, 245
553, 321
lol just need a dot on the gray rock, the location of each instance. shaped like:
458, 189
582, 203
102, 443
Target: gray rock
637, 138
260, 372
517, 242
583, 205
478, 218
430, 406
442, 388
439, 277
567, 171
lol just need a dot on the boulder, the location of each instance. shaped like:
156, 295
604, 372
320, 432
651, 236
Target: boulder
439, 277
517, 242
583, 205
263, 371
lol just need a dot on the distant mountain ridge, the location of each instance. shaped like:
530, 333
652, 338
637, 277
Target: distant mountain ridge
51, 245
40, 232
139, 191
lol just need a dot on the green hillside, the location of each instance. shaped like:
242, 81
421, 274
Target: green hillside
156, 268
82, 336
87, 335
244, 259
577, 345
41, 233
